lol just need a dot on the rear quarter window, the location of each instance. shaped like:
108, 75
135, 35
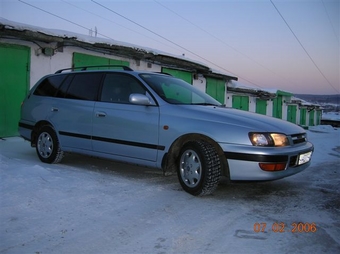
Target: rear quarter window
49, 86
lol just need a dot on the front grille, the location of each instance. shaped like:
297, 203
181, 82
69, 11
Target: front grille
299, 138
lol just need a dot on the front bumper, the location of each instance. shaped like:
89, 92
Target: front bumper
243, 161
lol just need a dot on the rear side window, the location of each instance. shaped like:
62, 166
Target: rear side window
49, 86
84, 86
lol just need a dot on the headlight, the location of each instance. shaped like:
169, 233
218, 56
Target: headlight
268, 139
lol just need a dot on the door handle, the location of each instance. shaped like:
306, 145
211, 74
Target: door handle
100, 114
53, 109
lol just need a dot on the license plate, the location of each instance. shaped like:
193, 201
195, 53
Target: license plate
304, 158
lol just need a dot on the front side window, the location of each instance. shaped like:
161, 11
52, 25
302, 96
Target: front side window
118, 87
177, 91
84, 86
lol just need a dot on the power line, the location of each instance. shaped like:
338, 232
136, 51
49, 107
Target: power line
329, 19
112, 22
164, 38
220, 40
67, 20
62, 18
304, 48
112, 38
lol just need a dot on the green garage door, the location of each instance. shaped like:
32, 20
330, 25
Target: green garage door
318, 117
277, 107
14, 85
291, 113
80, 60
186, 76
312, 117
216, 89
261, 106
303, 113
241, 102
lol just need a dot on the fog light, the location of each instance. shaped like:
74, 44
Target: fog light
273, 166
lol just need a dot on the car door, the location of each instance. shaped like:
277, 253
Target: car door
121, 128
72, 109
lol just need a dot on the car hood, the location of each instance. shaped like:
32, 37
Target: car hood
240, 119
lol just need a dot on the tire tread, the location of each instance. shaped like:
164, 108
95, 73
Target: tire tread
59, 154
213, 173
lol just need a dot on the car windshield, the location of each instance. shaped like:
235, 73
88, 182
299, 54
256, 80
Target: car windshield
177, 91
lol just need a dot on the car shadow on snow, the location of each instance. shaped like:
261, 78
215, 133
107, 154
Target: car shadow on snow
257, 190
111, 167
225, 190
306, 185
246, 191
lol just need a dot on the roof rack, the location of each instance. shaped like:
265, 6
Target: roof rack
84, 68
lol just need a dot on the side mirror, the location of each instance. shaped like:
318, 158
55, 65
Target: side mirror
139, 99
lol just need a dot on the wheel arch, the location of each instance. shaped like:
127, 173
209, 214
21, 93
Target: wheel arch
170, 158
36, 128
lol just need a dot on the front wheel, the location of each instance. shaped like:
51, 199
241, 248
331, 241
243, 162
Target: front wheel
199, 168
47, 146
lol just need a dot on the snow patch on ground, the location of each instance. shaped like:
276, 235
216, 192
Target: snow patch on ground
335, 116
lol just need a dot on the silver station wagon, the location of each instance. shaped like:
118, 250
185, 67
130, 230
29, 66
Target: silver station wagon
157, 120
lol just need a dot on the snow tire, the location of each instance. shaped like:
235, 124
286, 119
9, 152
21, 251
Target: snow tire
47, 146
199, 168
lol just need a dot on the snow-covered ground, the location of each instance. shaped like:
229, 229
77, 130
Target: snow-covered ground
335, 116
89, 205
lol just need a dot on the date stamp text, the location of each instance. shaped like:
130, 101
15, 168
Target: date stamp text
281, 227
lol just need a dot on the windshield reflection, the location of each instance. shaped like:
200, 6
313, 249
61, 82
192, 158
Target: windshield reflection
177, 91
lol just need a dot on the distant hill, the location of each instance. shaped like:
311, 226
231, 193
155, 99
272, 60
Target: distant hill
320, 99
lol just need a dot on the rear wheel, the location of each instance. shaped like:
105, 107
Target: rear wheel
47, 146
199, 168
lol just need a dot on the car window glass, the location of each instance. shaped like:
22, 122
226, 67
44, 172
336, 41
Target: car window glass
177, 91
84, 86
118, 88
49, 86
176, 94
64, 86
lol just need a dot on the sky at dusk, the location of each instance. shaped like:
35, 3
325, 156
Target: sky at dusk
291, 45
